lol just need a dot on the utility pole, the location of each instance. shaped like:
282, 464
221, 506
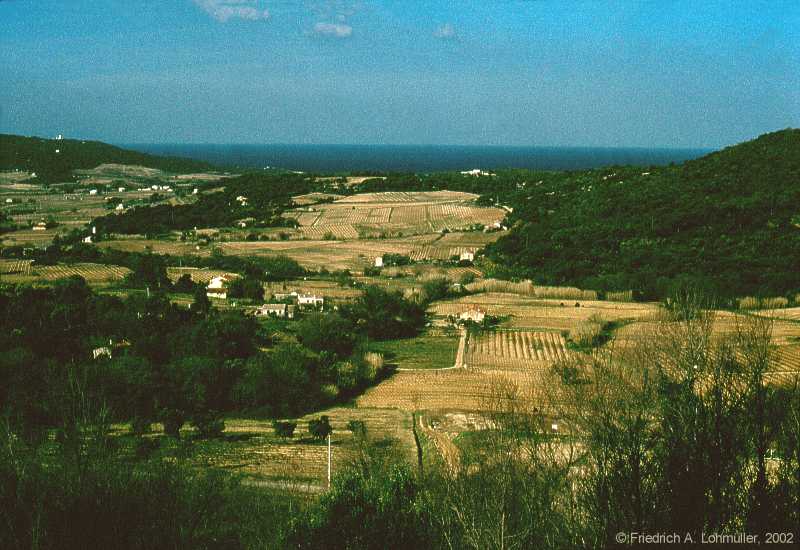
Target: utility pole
329, 461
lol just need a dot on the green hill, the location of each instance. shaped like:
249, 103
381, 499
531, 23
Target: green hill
729, 222
39, 155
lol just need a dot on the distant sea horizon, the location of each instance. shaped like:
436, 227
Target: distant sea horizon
417, 158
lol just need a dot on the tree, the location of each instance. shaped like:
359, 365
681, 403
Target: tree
381, 314
246, 287
320, 428
201, 303
149, 270
327, 332
435, 289
284, 430
185, 285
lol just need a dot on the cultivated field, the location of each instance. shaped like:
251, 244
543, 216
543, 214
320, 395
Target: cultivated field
251, 447
393, 214
432, 350
15, 267
515, 349
93, 273
523, 312
198, 275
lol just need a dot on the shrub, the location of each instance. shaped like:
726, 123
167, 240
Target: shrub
173, 420
284, 429
320, 428
209, 424
358, 428
140, 425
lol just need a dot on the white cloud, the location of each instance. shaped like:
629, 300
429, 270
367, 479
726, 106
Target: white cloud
223, 10
337, 30
445, 32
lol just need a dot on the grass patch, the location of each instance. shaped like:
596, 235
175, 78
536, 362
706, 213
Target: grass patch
421, 352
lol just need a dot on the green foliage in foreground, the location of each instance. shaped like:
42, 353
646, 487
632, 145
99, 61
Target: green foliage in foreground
150, 360
94, 495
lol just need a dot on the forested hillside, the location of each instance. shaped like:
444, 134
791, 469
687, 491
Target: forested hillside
728, 222
260, 196
39, 155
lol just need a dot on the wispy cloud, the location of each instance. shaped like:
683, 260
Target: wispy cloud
337, 30
445, 32
224, 10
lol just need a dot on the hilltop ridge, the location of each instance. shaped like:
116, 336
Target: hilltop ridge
53, 160
728, 222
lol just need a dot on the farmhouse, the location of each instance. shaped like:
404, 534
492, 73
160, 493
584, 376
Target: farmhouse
104, 351
467, 257
41, 226
302, 300
119, 207
284, 311
218, 287
379, 261
475, 315
87, 239
495, 226
475, 172
310, 300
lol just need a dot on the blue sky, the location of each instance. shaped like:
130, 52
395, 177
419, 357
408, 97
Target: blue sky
624, 73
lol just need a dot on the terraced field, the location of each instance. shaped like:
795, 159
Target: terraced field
522, 312
198, 275
15, 267
393, 213
515, 349
93, 273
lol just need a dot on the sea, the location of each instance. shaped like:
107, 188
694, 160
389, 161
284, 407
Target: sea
416, 158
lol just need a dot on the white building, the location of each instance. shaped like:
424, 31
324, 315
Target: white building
121, 189
310, 300
283, 311
476, 172
41, 226
92, 191
475, 315
467, 257
218, 287
88, 239
119, 207
97, 353
379, 261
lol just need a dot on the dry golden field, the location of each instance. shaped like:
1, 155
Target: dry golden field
523, 312
198, 275
253, 449
393, 214
515, 349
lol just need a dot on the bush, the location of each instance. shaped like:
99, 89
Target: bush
173, 420
284, 430
320, 428
209, 424
140, 425
358, 428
